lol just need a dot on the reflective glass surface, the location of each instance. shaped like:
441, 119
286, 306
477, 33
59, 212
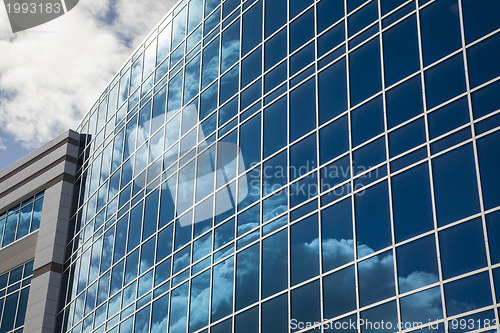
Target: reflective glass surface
268, 164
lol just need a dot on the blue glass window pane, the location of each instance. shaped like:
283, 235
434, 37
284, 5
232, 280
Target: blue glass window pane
248, 321
132, 266
9, 312
404, 101
164, 243
275, 77
229, 84
210, 67
411, 200
297, 6
445, 81
183, 227
275, 16
407, 137
303, 157
301, 59
364, 71
275, 49
274, 264
274, 173
455, 185
367, 121
440, 26
339, 292
178, 309
333, 37
469, 256
368, 156
302, 109
353, 4
305, 303
362, 18
10, 229
480, 18
400, 42
333, 139
230, 46
222, 289
250, 143
335, 173
275, 315
223, 327
252, 28
493, 225
200, 299
179, 27
21, 308
376, 278
328, 12
467, 294
488, 151
250, 95
301, 29
332, 102
373, 224
251, 67
485, 100
150, 214
192, 79
24, 221
417, 264
424, 306
303, 253
275, 132
135, 223
304, 189
37, 215
448, 118
247, 277
482, 61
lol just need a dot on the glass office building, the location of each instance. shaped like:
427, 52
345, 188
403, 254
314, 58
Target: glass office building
301, 165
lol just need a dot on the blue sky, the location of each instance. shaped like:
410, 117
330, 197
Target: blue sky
51, 75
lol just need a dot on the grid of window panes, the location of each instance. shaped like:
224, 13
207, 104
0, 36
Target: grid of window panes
264, 163
14, 291
20, 220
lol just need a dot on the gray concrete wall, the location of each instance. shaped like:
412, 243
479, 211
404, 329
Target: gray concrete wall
51, 168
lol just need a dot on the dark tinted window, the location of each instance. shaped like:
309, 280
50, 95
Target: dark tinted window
301, 30
373, 226
251, 67
444, 81
275, 49
440, 28
424, 306
480, 18
304, 250
332, 102
364, 71
333, 139
275, 315
386, 312
482, 61
328, 12
336, 235
376, 278
467, 294
407, 137
367, 121
493, 225
339, 292
275, 120
417, 264
448, 118
489, 154
275, 16
455, 185
462, 248
411, 199
274, 264
404, 101
251, 28
302, 109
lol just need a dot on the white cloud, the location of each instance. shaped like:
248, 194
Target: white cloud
51, 75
